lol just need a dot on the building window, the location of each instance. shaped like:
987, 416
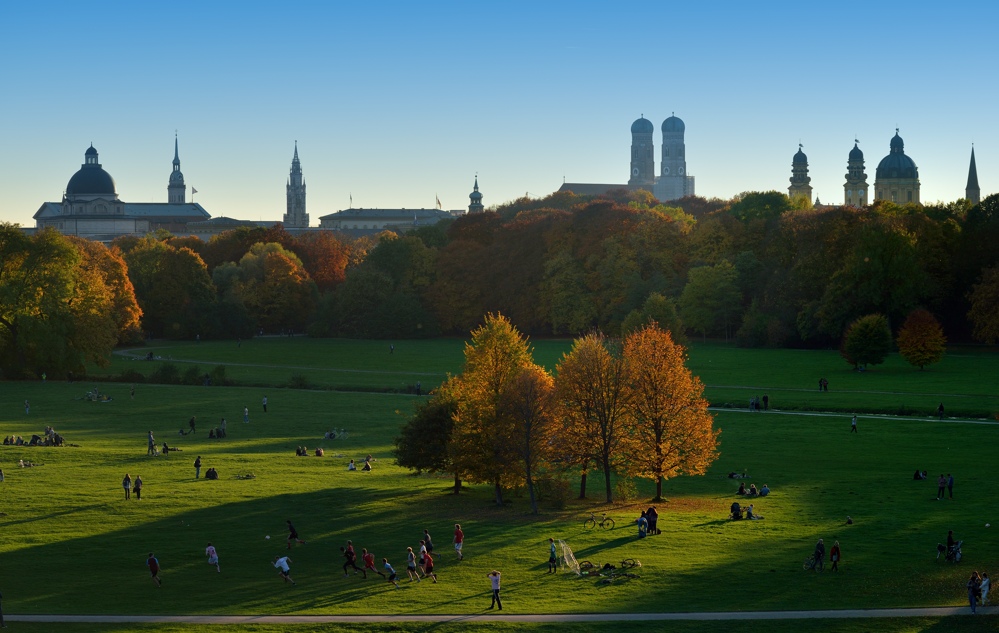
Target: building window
910, 196
894, 196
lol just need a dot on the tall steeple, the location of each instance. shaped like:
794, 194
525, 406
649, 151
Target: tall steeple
296, 215
176, 189
643, 163
972, 192
799, 177
475, 204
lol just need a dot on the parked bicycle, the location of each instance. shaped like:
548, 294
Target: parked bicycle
605, 522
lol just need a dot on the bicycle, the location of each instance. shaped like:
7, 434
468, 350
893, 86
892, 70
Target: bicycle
629, 563
605, 522
809, 563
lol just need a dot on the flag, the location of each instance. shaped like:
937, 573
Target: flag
438, 201
351, 201
193, 191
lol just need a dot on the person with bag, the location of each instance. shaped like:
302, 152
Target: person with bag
834, 556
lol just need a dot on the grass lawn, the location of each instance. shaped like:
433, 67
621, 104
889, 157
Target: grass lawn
69, 543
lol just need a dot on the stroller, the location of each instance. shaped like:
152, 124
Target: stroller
952, 554
735, 512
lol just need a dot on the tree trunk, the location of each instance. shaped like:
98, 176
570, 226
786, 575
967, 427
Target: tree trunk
530, 487
659, 488
607, 482
457, 483
499, 494
582, 485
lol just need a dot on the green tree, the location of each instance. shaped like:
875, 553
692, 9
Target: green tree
711, 300
867, 341
659, 310
984, 312
921, 340
422, 444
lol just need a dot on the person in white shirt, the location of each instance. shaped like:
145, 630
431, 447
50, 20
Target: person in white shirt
213, 557
281, 564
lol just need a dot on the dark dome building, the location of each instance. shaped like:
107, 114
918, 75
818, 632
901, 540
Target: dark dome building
642, 126
897, 177
91, 180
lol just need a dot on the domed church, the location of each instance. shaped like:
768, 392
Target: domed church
91, 209
897, 177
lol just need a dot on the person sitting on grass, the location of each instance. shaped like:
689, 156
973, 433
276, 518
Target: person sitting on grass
751, 514
764, 491
320, 452
367, 466
742, 490
351, 465
753, 491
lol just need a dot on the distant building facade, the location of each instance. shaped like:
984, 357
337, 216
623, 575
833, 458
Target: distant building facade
673, 181
90, 207
375, 220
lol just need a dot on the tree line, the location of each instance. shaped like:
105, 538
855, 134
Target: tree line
629, 408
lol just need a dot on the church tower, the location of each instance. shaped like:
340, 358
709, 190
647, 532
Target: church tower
176, 190
475, 198
897, 177
972, 192
799, 177
856, 192
673, 183
643, 162
296, 215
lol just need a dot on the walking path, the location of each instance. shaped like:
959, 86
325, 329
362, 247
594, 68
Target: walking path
923, 612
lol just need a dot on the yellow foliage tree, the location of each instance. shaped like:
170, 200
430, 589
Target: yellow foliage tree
921, 340
670, 431
591, 386
531, 403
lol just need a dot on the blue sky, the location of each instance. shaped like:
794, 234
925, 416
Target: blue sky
396, 103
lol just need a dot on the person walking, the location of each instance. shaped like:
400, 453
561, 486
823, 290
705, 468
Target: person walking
265, 404
27, 408
151, 449
940, 411
246, 415
494, 577
459, 539
974, 586
941, 484
293, 534
950, 485
552, 557
819, 555
213, 557
197, 467
126, 483
281, 564
154, 569
137, 487
853, 424
986, 585
190, 424
834, 556
766, 402
131, 392
222, 427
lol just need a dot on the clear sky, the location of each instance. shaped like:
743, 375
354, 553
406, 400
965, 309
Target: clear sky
395, 103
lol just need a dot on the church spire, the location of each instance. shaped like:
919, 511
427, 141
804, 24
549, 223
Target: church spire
972, 192
176, 189
296, 215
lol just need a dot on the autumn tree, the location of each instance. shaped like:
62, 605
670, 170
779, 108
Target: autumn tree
422, 444
325, 256
113, 272
921, 340
867, 341
984, 312
531, 402
592, 387
711, 300
671, 430
485, 442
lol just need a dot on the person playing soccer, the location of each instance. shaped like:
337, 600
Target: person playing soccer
426, 539
350, 560
391, 572
459, 539
552, 557
293, 534
213, 557
428, 566
154, 569
281, 564
369, 562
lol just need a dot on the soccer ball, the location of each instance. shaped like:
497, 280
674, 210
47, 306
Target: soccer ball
987, 525
268, 537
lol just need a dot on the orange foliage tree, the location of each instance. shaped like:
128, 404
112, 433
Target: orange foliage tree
921, 340
530, 401
671, 430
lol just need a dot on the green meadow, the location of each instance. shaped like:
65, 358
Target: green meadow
71, 544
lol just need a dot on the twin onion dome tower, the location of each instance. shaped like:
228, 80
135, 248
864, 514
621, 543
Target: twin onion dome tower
896, 179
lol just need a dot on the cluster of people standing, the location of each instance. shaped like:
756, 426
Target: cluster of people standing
759, 404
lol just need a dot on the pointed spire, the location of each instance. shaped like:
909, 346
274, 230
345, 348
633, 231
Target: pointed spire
295, 159
176, 149
972, 192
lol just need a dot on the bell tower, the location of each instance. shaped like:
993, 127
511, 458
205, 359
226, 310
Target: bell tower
799, 177
643, 162
176, 189
856, 192
296, 215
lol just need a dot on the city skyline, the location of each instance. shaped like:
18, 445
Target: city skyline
397, 106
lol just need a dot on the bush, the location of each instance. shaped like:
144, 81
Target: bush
553, 490
625, 490
299, 381
130, 375
166, 373
192, 375
218, 376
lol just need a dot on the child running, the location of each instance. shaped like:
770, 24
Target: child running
293, 534
423, 556
154, 569
459, 539
391, 572
350, 560
369, 561
213, 557
281, 564
411, 563
428, 567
